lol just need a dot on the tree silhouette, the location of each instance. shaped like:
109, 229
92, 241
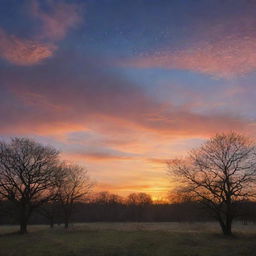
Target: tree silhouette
27, 174
220, 173
73, 185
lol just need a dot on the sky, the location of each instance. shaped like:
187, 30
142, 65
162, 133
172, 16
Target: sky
121, 86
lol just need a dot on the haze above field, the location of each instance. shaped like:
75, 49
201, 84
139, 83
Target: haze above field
121, 86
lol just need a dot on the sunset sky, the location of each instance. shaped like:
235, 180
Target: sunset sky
120, 86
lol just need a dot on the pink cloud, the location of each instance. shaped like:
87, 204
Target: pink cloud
58, 20
22, 51
113, 118
54, 26
118, 108
223, 48
227, 58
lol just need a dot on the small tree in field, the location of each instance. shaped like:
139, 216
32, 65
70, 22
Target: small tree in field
27, 174
73, 185
220, 173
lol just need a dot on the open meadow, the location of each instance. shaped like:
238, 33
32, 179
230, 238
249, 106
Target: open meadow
129, 239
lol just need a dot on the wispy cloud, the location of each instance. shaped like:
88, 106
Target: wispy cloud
158, 161
228, 58
115, 108
92, 155
222, 47
23, 51
59, 18
111, 117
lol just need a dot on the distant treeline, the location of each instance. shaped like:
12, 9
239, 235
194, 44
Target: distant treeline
137, 207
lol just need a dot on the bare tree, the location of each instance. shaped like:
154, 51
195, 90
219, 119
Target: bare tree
220, 173
27, 173
73, 185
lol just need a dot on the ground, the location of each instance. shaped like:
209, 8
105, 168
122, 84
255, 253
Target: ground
129, 239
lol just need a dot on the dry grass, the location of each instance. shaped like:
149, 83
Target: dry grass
129, 239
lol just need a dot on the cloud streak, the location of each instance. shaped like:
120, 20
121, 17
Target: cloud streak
227, 58
100, 101
222, 47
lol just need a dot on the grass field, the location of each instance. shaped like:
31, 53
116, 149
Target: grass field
129, 239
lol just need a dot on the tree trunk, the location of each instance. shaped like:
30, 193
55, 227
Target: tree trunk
23, 227
66, 223
226, 226
67, 215
222, 225
23, 218
51, 223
